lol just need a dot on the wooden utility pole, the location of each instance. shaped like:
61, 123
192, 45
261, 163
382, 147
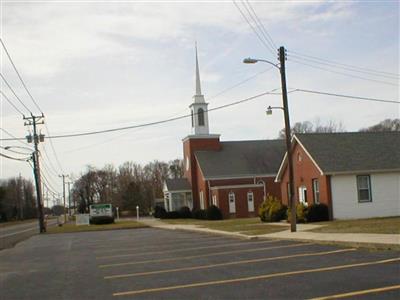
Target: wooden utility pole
63, 179
292, 203
33, 121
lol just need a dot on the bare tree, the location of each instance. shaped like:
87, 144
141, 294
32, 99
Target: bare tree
316, 126
385, 125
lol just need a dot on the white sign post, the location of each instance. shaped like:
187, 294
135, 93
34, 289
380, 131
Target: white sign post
137, 212
117, 208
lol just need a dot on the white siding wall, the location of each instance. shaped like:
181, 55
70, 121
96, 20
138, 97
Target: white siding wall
385, 189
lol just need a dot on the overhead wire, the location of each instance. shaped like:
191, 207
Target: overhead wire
269, 48
19, 75
332, 65
12, 104
341, 73
271, 92
14, 138
156, 122
16, 96
257, 20
342, 64
345, 96
14, 158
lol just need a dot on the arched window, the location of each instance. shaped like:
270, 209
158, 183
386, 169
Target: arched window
192, 118
200, 113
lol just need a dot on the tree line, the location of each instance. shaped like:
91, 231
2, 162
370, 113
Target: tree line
17, 199
331, 126
127, 186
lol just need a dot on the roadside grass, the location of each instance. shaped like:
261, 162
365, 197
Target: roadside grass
12, 223
248, 226
389, 225
71, 227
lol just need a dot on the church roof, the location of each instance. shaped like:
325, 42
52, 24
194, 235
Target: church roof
350, 152
353, 151
238, 159
178, 184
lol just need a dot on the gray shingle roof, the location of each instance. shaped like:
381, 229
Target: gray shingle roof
242, 158
178, 184
353, 151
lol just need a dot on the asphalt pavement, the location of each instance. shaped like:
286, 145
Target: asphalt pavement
154, 263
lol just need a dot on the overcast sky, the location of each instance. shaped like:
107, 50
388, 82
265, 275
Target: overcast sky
94, 65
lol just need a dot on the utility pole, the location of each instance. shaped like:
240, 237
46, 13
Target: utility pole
33, 121
63, 179
282, 59
69, 197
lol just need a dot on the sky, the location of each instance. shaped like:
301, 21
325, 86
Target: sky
94, 65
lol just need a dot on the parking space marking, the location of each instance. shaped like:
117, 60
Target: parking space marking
251, 278
230, 263
359, 293
184, 243
202, 255
186, 249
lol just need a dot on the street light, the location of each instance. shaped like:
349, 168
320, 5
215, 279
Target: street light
281, 67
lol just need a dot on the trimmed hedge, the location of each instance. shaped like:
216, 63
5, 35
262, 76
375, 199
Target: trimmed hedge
318, 213
312, 213
213, 213
185, 213
272, 210
159, 212
199, 214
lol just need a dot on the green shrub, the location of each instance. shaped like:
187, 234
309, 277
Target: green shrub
318, 213
301, 213
272, 210
185, 213
213, 213
199, 214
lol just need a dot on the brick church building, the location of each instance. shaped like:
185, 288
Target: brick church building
233, 175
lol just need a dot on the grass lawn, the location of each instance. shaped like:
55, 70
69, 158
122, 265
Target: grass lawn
373, 225
71, 227
248, 226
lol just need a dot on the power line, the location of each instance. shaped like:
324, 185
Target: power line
342, 67
14, 158
254, 29
19, 76
342, 64
261, 25
345, 74
345, 96
54, 150
155, 122
14, 138
271, 92
55, 172
12, 104
12, 90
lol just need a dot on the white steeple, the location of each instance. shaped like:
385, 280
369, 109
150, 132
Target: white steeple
199, 107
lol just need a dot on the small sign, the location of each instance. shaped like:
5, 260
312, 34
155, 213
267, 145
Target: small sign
100, 210
82, 219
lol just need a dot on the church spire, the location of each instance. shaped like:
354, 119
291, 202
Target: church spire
198, 86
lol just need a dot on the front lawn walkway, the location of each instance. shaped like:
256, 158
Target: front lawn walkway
247, 226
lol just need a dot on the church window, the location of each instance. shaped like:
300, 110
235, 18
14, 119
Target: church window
192, 118
200, 113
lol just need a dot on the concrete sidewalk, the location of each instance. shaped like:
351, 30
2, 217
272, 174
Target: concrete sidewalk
302, 234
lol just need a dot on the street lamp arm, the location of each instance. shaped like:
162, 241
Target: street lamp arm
250, 60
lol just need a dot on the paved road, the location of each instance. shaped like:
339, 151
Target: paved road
160, 264
12, 234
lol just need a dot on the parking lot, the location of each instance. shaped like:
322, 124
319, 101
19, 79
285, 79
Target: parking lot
160, 264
